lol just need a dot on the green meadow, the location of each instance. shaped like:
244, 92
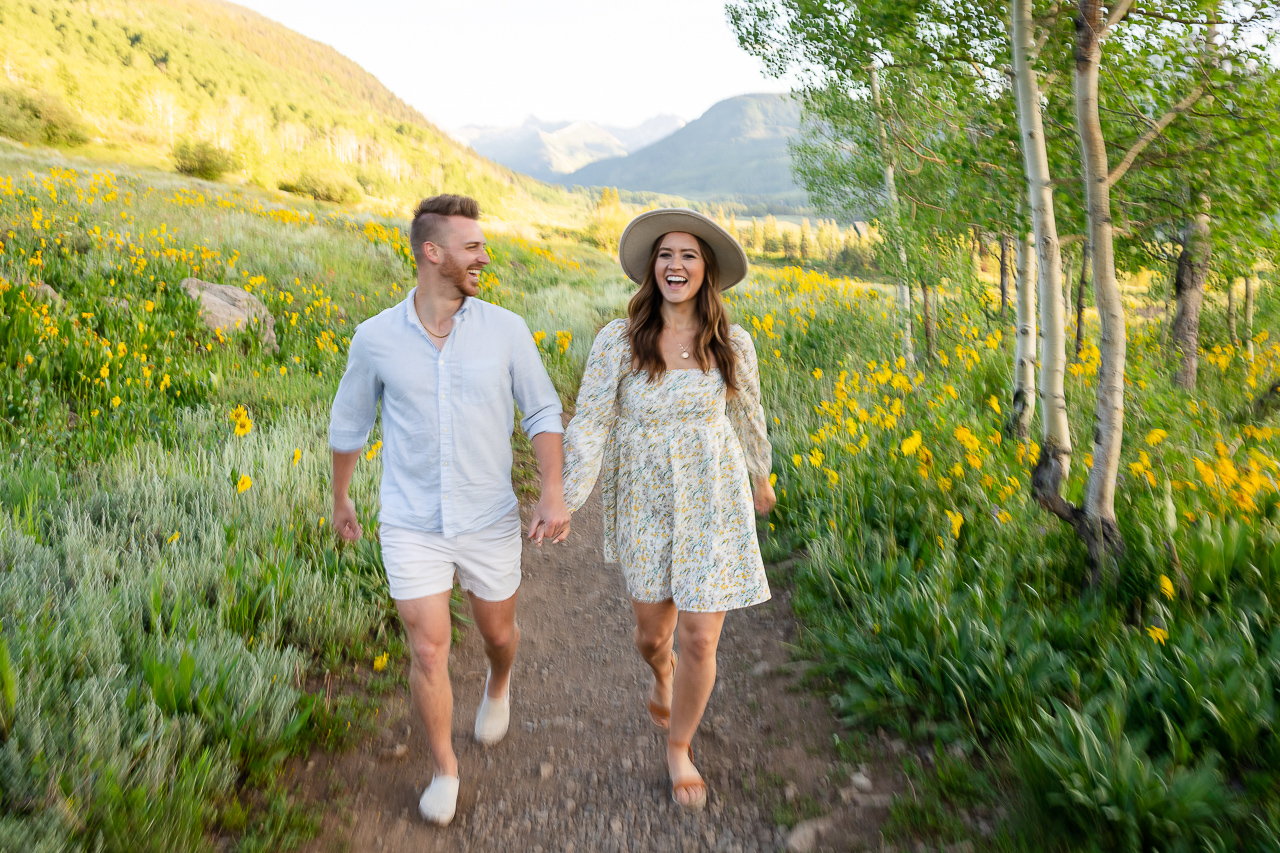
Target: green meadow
173, 601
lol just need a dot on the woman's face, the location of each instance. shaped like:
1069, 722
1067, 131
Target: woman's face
680, 268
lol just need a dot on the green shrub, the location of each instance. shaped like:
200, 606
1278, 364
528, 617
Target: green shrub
38, 117
324, 185
203, 159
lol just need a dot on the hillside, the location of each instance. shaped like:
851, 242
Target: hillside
736, 150
550, 150
146, 75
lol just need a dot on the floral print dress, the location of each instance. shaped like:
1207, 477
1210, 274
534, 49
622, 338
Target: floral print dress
677, 457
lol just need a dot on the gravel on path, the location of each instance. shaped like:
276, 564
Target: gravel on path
582, 768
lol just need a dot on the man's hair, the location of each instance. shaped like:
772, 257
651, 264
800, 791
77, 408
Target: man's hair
430, 218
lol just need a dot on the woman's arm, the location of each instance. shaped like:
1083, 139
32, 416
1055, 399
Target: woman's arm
747, 416
597, 411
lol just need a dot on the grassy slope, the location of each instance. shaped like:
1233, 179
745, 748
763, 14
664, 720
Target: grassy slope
156, 694
145, 74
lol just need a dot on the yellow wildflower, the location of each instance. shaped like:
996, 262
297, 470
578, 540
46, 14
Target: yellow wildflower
297, 455
380, 662
994, 403
244, 484
797, 460
912, 443
1166, 587
817, 373
115, 401
957, 521
174, 537
1156, 436
1157, 633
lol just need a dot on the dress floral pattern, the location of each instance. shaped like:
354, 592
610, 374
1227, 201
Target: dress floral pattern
676, 457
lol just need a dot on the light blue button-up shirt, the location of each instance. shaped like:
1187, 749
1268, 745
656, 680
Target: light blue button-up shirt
447, 415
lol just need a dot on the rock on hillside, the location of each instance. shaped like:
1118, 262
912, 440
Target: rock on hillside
231, 308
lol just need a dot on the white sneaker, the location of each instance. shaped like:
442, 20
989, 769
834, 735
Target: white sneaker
439, 801
494, 715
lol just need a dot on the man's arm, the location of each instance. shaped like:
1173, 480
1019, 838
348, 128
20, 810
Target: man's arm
550, 516
345, 521
355, 407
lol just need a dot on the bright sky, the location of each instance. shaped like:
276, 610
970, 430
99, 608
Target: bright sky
493, 62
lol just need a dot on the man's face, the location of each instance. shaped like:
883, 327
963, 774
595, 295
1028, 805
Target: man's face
460, 254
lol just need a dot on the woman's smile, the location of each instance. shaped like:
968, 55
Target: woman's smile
679, 268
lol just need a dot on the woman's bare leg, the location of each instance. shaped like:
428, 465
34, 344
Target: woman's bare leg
655, 633
699, 635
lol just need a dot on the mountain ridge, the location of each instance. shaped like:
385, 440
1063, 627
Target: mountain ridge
737, 149
548, 150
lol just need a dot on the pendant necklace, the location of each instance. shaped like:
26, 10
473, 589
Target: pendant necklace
684, 353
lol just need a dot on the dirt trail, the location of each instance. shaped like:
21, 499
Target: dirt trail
582, 768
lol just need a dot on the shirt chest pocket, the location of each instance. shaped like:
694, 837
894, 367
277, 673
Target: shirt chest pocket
482, 381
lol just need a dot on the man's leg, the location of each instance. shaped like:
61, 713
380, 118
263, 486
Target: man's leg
426, 621
496, 621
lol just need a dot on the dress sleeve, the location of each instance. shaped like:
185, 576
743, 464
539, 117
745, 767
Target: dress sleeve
745, 410
597, 411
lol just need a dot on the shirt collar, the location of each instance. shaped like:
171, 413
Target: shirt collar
412, 315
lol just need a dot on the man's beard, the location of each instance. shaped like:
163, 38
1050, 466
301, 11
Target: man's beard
456, 274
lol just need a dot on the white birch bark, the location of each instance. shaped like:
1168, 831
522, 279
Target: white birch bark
1054, 464
1101, 534
891, 193
1024, 353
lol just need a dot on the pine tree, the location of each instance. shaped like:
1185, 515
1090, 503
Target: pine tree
757, 236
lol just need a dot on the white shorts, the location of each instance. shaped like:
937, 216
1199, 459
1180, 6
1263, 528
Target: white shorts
487, 561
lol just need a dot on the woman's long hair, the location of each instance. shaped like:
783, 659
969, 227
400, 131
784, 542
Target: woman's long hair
711, 346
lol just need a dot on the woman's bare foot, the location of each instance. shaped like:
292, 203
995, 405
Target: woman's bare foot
688, 789
660, 696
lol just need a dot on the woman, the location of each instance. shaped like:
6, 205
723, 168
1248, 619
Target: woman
670, 406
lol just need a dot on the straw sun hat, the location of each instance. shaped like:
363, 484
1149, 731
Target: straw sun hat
637, 242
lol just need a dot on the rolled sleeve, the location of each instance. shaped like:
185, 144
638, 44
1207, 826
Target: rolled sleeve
355, 406
532, 387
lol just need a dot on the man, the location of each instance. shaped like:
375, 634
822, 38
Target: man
448, 368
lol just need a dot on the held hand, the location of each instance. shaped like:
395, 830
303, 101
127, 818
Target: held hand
550, 519
345, 521
763, 497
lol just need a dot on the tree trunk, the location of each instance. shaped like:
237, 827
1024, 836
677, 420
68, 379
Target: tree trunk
1066, 291
1024, 353
930, 344
1005, 242
1086, 274
1054, 464
891, 193
1249, 282
1098, 528
1188, 289
1231, 312
976, 252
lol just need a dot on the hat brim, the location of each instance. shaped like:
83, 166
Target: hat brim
636, 244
